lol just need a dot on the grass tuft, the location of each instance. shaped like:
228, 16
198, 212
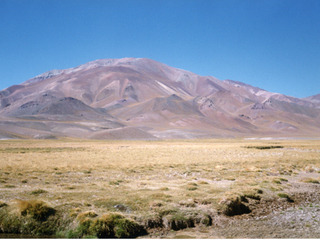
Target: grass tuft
191, 186
285, 195
87, 214
231, 205
310, 180
38, 191
3, 204
264, 147
107, 226
37, 209
202, 182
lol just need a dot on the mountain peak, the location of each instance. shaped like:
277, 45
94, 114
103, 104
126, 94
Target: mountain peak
106, 97
90, 65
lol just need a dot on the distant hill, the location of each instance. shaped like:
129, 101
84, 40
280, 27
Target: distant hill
141, 98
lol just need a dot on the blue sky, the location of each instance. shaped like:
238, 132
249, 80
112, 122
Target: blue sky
272, 44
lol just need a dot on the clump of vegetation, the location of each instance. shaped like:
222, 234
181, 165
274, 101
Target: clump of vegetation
202, 201
9, 186
36, 209
3, 204
285, 195
37, 218
115, 182
275, 189
155, 204
177, 221
232, 205
38, 191
206, 221
87, 214
167, 211
160, 196
259, 191
263, 147
107, 226
187, 203
29, 217
283, 179
191, 186
3, 180
230, 178
279, 180
249, 194
202, 182
310, 180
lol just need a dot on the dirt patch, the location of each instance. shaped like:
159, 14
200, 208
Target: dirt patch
298, 217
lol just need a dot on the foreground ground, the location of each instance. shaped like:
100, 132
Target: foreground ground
172, 189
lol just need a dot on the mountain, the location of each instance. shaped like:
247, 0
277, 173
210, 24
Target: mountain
138, 98
314, 99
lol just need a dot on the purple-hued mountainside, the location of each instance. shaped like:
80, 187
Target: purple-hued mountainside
133, 98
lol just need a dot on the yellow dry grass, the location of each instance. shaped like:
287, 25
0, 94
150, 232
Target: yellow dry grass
131, 176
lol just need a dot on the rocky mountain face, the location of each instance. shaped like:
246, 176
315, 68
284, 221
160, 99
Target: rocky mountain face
143, 99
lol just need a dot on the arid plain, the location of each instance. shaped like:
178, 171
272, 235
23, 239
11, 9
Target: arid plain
168, 188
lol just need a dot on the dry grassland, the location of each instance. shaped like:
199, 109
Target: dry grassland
148, 180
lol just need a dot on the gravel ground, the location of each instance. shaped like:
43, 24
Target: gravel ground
294, 222
297, 222
270, 218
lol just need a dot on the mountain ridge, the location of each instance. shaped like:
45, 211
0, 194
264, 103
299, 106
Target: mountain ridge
152, 100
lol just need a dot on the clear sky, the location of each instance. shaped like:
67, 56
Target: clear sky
271, 44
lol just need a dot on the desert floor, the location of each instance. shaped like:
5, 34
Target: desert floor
217, 188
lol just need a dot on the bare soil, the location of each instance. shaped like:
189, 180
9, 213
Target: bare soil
270, 218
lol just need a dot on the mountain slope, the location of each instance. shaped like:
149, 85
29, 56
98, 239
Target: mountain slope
143, 99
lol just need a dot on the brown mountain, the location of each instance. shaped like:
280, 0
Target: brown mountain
143, 99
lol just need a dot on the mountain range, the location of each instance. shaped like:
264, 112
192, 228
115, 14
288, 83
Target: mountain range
139, 98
